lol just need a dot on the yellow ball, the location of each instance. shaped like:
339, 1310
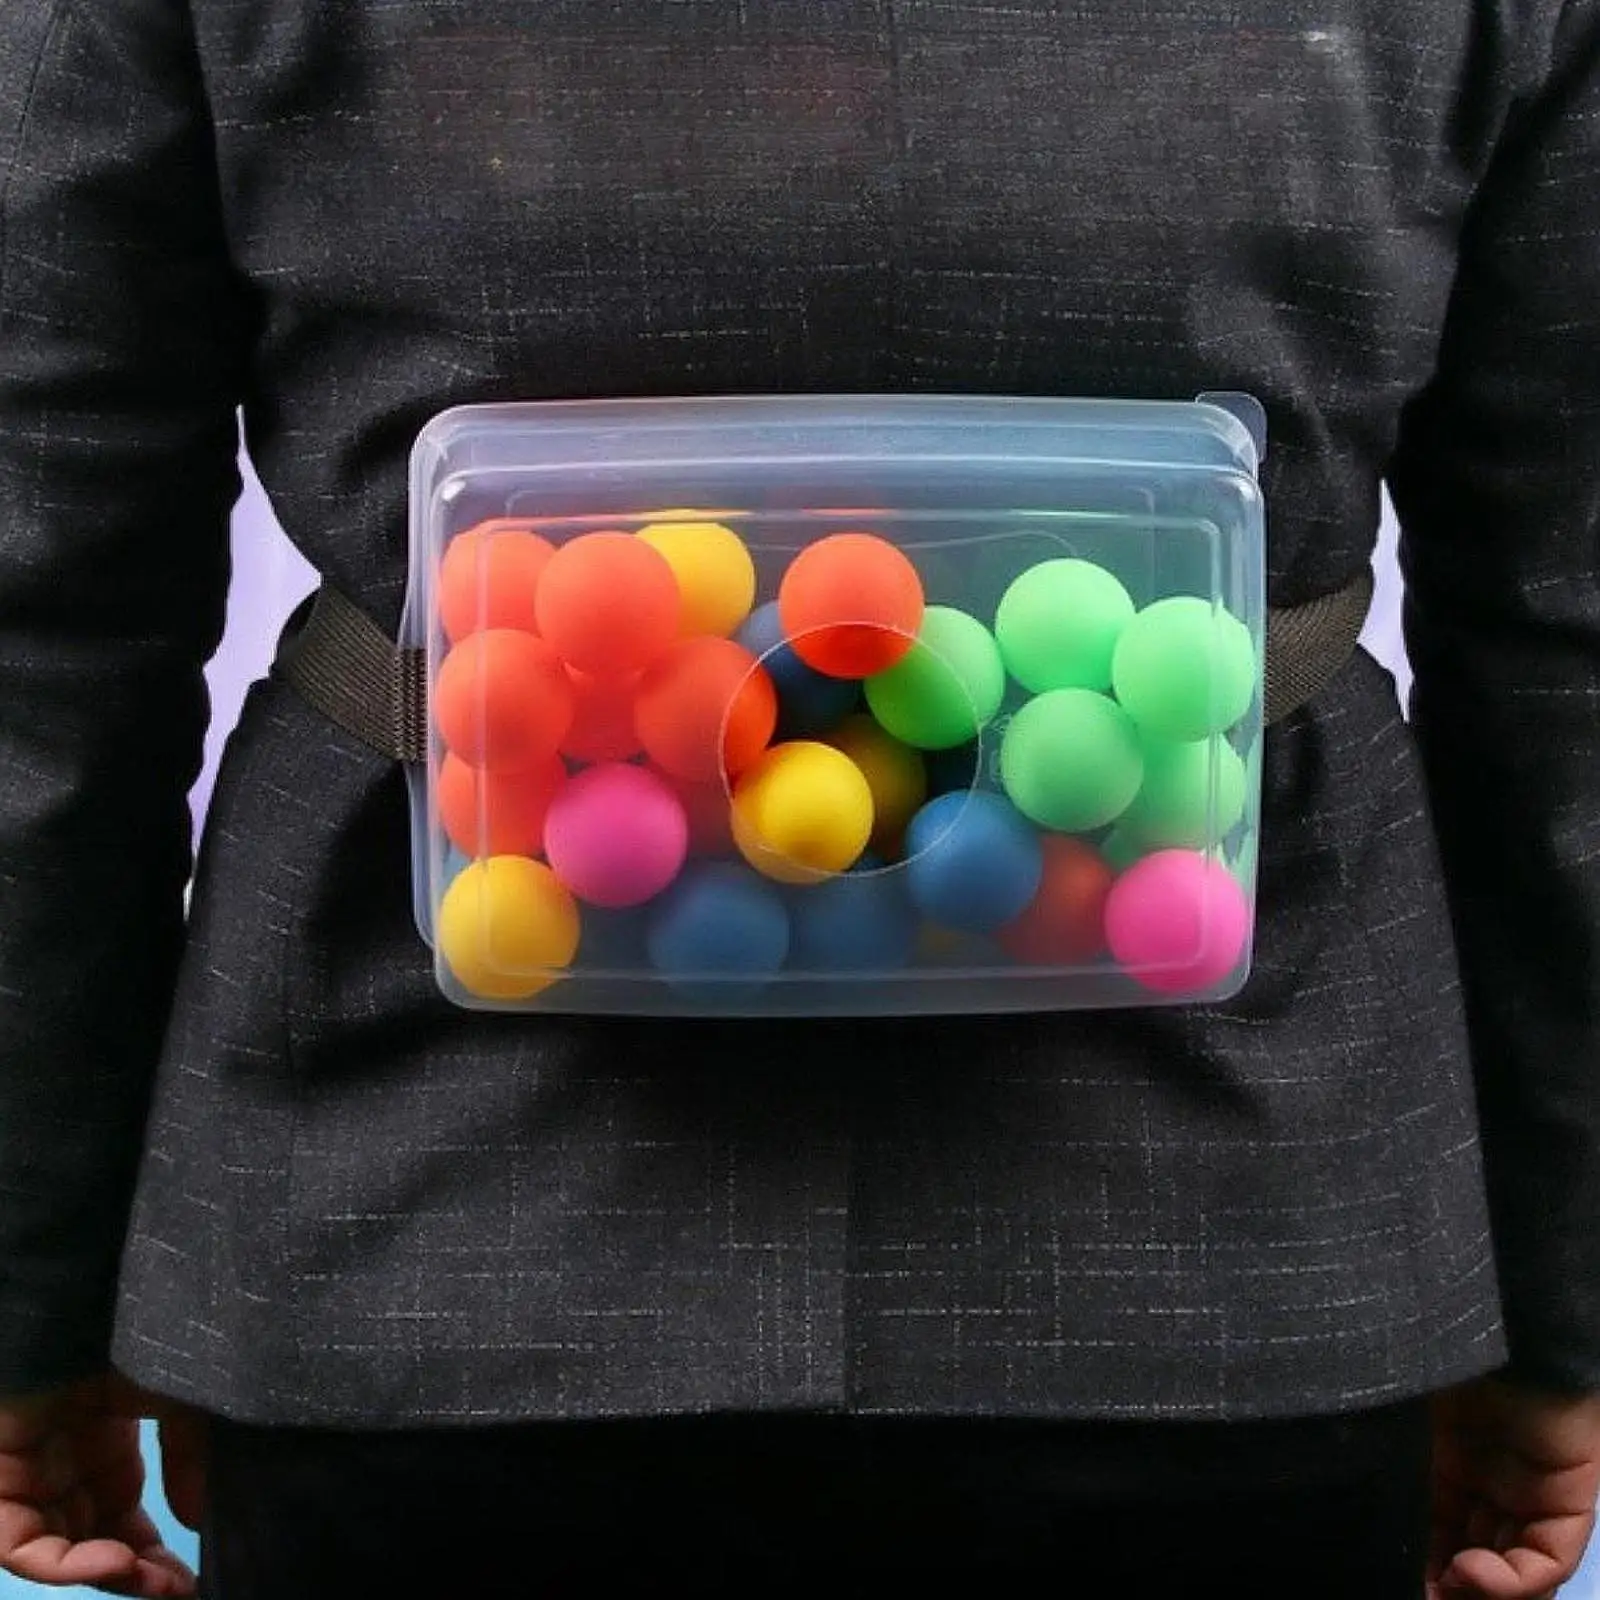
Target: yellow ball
715, 574
802, 812
895, 774
503, 924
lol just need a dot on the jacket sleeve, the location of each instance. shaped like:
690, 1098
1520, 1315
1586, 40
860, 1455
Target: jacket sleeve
1496, 480
121, 367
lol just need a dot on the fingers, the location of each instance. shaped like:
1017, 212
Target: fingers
185, 1452
103, 1563
1518, 1574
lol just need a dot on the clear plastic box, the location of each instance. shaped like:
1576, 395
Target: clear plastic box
838, 705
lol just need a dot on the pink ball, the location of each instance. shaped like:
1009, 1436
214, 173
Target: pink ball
1177, 921
616, 835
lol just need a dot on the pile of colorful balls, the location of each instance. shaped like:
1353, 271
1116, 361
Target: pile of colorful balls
645, 768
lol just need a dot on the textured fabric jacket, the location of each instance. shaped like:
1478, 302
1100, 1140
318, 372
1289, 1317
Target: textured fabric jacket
257, 1161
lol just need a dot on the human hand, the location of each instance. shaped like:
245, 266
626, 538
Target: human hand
71, 1481
1516, 1473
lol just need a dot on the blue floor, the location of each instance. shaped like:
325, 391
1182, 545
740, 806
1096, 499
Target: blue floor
1586, 1586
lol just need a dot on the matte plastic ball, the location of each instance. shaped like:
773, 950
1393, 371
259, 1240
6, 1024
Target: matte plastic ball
861, 921
505, 928
1071, 760
705, 710
851, 605
1122, 848
803, 811
1184, 669
894, 773
973, 861
497, 813
616, 835
810, 704
710, 814
1059, 623
1065, 923
609, 604
602, 718
1192, 794
1178, 922
716, 577
946, 688
718, 925
502, 699
489, 577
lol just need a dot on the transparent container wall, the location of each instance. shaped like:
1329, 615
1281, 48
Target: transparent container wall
853, 707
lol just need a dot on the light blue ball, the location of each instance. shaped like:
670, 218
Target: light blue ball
809, 704
860, 921
718, 923
974, 861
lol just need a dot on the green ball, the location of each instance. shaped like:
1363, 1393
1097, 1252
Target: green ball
1059, 624
1184, 670
946, 688
1192, 795
1120, 849
1071, 760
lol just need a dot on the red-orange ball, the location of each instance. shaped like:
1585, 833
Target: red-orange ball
1066, 920
497, 813
502, 700
602, 718
705, 709
489, 577
850, 605
609, 603
710, 814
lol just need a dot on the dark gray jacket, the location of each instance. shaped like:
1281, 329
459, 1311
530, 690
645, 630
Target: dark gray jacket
335, 1198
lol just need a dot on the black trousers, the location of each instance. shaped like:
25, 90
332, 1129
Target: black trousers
1305, 1509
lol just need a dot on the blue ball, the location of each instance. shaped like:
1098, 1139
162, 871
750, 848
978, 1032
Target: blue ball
809, 704
718, 922
974, 861
861, 921
612, 941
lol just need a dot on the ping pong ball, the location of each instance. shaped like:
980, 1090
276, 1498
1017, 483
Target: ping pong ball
715, 573
705, 710
803, 811
502, 699
608, 603
503, 925
894, 773
1177, 922
489, 576
1066, 920
616, 835
1059, 623
851, 605
602, 718
1184, 669
497, 813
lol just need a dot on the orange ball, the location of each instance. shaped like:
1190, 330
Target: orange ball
502, 700
489, 577
1066, 921
851, 605
705, 709
497, 813
609, 603
602, 718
